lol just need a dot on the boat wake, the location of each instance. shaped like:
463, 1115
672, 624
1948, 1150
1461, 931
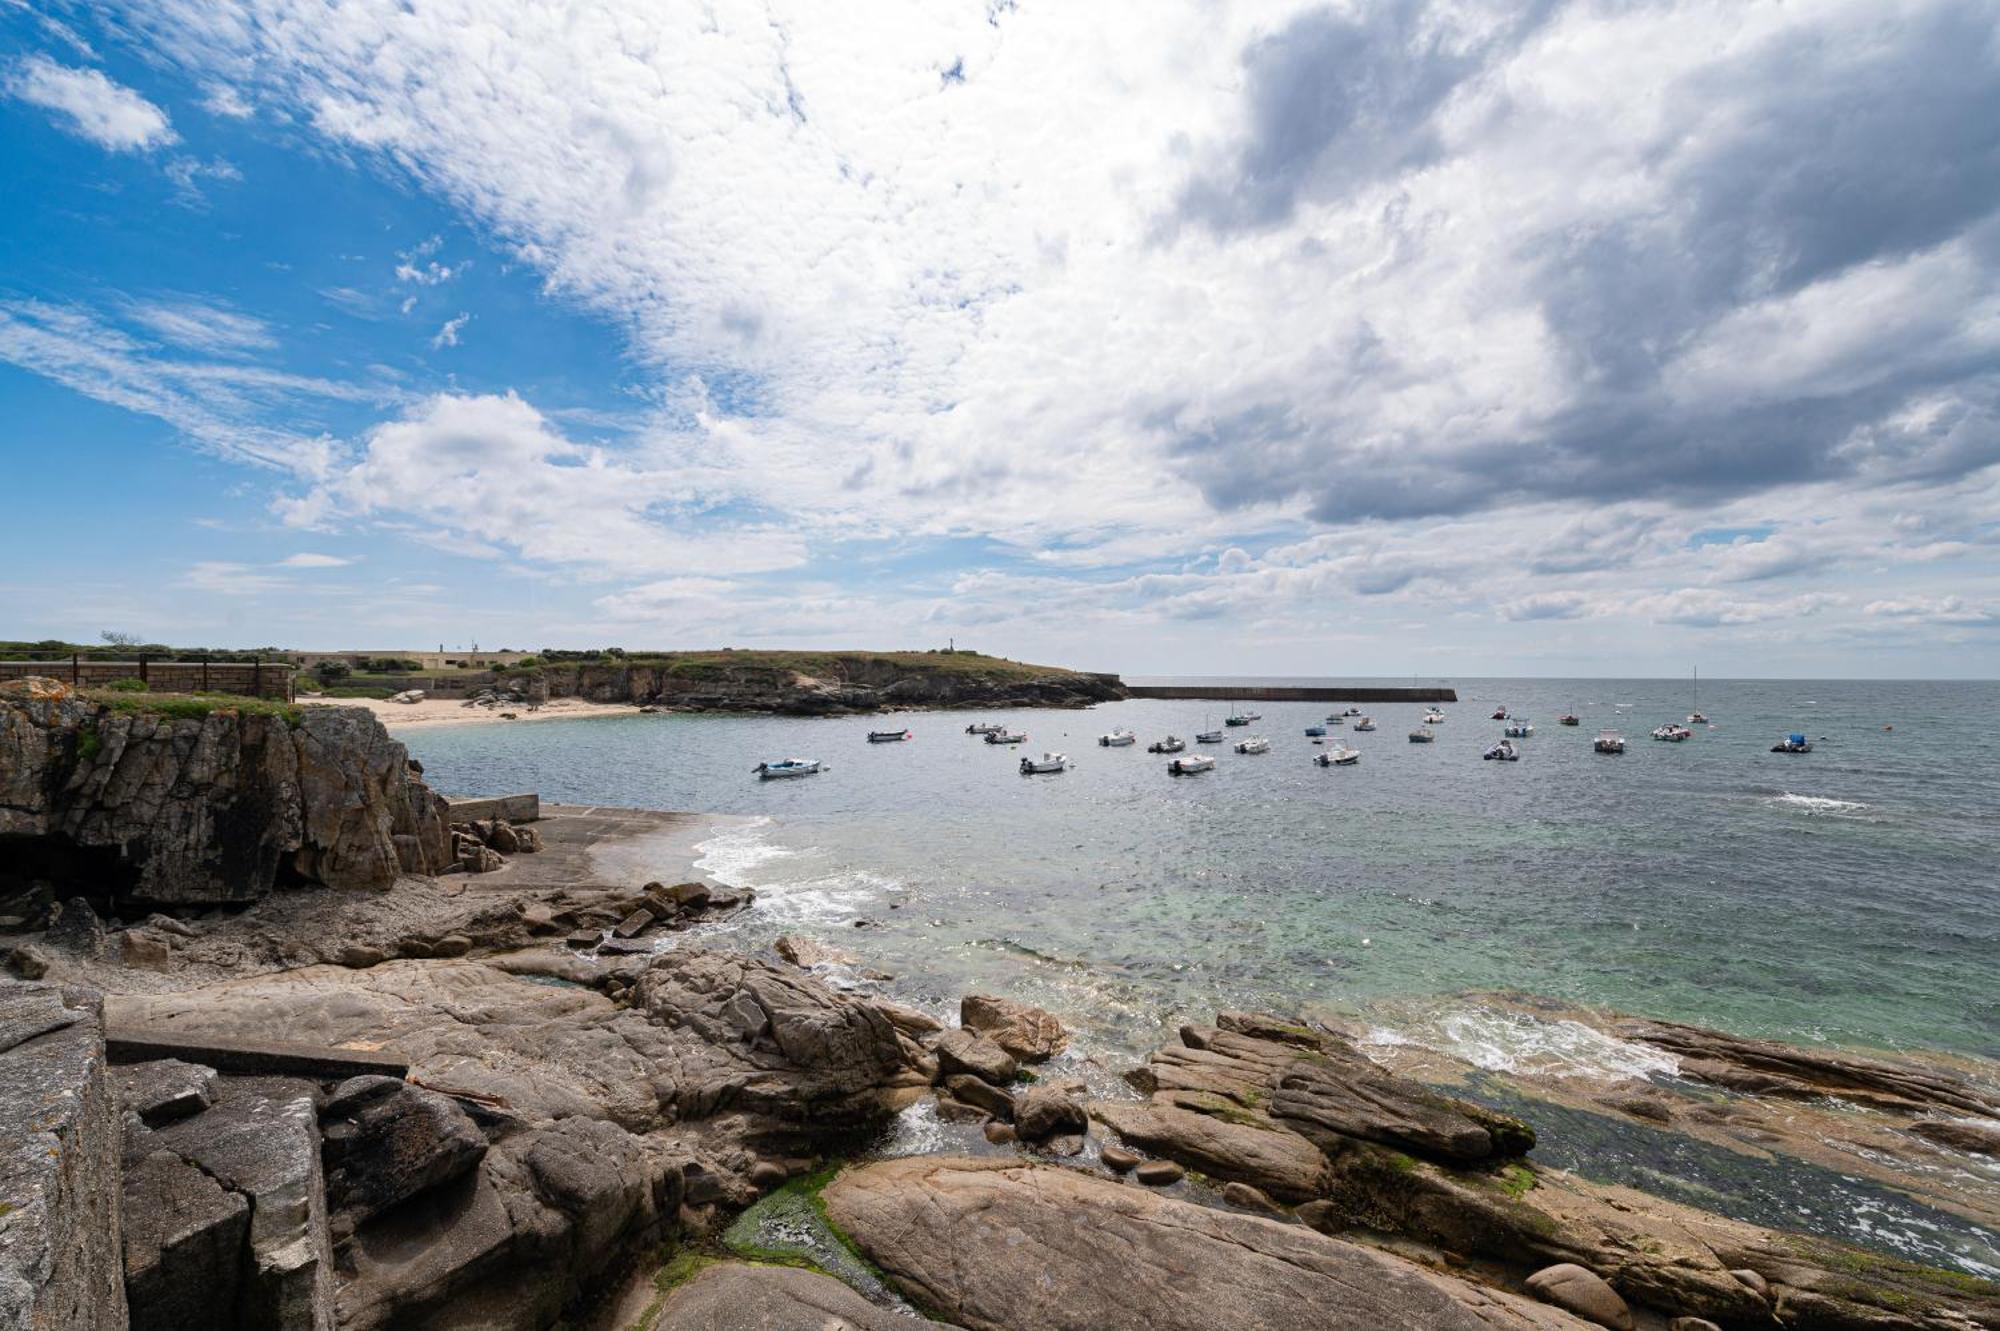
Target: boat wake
1514, 1042
1819, 806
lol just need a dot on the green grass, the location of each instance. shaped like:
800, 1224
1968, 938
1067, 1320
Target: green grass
196, 706
357, 691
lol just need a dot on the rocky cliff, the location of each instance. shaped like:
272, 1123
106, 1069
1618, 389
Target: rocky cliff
174, 801
818, 683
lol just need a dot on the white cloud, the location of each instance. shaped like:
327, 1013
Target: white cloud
203, 326
91, 106
447, 336
223, 100
225, 578
307, 559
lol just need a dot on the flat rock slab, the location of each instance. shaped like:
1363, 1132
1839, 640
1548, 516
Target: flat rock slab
129, 1042
998, 1246
165, 1089
733, 1296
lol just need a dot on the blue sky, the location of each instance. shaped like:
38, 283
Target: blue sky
1276, 338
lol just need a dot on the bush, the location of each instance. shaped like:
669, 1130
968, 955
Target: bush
527, 663
328, 671
127, 685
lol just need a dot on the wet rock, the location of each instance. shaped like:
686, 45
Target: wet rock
1222, 1140
1000, 1245
1582, 1292
1959, 1135
1118, 1158
1028, 1033
634, 924
400, 1140
1000, 1134
981, 1095
962, 1051
809, 953
1041, 1112
951, 1109
741, 1297
1158, 1173
165, 1089
767, 1174
1649, 1107
585, 938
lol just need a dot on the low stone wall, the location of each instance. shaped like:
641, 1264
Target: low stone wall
1249, 693
272, 679
513, 808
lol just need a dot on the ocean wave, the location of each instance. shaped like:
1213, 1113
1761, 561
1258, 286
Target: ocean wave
1819, 805
1501, 1041
790, 885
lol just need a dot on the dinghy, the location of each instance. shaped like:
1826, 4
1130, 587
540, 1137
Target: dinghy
1048, 762
888, 736
1005, 736
1504, 752
1171, 744
984, 728
1208, 737
788, 767
1193, 765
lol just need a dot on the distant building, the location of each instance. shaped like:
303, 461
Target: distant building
466, 660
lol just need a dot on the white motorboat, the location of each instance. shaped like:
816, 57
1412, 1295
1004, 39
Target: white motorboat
1117, 739
1255, 744
984, 728
1422, 735
888, 736
1005, 736
1672, 734
1171, 744
1365, 723
1338, 756
1609, 741
1504, 752
1048, 762
788, 767
1433, 717
1192, 765
1520, 728
1208, 737
1352, 711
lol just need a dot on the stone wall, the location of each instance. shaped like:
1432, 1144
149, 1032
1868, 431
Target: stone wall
271, 679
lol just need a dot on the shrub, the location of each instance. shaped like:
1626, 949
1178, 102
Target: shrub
328, 671
127, 685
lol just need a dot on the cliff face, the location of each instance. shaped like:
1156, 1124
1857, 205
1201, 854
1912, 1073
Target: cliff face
818, 684
201, 809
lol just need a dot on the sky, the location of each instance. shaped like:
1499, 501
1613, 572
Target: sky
1438, 339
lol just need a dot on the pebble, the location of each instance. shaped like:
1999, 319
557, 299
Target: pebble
1159, 1173
1118, 1158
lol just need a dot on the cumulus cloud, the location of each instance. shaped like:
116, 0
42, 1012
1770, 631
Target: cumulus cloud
91, 105
447, 336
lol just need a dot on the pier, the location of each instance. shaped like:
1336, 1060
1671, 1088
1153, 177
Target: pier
1268, 693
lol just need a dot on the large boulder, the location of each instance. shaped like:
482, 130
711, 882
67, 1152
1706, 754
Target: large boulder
997, 1246
969, 1053
741, 1297
60, 1143
385, 1141
1028, 1033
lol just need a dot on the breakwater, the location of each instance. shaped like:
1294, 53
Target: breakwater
1266, 693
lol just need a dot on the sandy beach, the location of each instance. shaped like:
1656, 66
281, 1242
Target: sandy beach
433, 712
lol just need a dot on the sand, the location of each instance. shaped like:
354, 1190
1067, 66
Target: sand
433, 712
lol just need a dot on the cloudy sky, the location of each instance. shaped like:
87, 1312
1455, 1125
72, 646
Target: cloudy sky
1447, 338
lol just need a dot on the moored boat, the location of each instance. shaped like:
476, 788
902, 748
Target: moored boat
1338, 756
788, 767
1671, 733
888, 736
1117, 739
1352, 711
1171, 744
1315, 732
1236, 719
1005, 736
1255, 744
1520, 728
1365, 723
1793, 743
1569, 719
1208, 737
1499, 713
1192, 765
1048, 762
1433, 717
1504, 752
984, 728
1609, 741
1422, 735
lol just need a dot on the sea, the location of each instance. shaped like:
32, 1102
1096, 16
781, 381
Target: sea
1844, 897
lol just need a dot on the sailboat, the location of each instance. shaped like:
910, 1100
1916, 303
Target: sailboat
1695, 718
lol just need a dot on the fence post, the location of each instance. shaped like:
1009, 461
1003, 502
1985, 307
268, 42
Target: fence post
75, 669
142, 667
204, 674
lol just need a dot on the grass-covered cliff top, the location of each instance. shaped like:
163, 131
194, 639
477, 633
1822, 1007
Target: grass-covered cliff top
817, 664
195, 705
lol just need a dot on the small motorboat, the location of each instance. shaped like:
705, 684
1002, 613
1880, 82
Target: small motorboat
1671, 733
1697, 719
1117, 739
1609, 741
1171, 744
788, 767
1520, 728
1338, 756
1792, 744
1048, 762
1208, 737
1315, 732
984, 728
1433, 717
1499, 713
1193, 765
1504, 752
1255, 744
1253, 716
1365, 723
1006, 736
888, 736
1352, 711
1240, 719
1568, 719
1422, 735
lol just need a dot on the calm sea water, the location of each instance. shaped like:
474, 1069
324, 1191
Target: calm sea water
1847, 896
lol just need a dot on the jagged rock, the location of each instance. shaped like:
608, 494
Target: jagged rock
28, 962
1028, 1033
808, 953
165, 1089
961, 1051
184, 1243
1041, 1112
633, 925
740, 1297
403, 1140
145, 950
60, 1144
76, 928
911, 1022
261, 1139
997, 1246
1584, 1293
982, 1095
480, 859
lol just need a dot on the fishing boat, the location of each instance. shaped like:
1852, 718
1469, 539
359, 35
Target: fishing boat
1422, 735
1520, 728
1568, 719
1695, 717
1433, 717
1048, 762
788, 767
1254, 716
1365, 723
1792, 744
1117, 739
1208, 737
1352, 711
1609, 741
1504, 752
1338, 756
1255, 744
1193, 765
984, 728
1315, 732
1499, 713
1171, 744
1006, 736
888, 736
1671, 733
1237, 719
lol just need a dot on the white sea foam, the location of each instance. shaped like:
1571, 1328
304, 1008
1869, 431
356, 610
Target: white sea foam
737, 856
916, 1131
791, 884
1503, 1041
1819, 806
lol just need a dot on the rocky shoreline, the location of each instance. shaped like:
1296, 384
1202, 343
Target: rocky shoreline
544, 1095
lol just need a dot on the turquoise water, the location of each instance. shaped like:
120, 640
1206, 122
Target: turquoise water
1846, 896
